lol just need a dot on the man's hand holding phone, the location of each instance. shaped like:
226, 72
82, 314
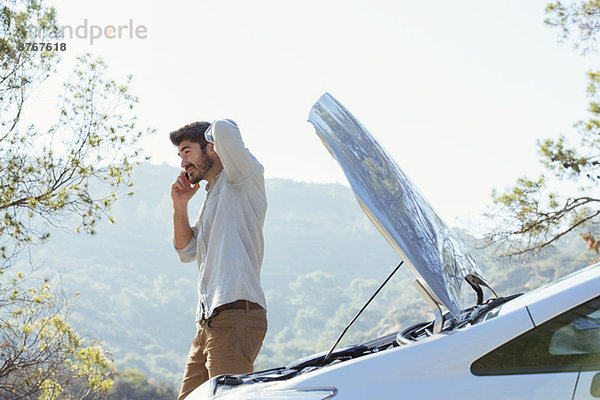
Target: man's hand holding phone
182, 190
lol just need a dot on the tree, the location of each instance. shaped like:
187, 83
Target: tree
532, 215
578, 22
41, 356
133, 385
65, 176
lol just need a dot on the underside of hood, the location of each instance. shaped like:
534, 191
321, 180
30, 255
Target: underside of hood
432, 251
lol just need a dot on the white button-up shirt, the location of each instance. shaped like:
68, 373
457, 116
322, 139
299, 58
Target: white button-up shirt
227, 239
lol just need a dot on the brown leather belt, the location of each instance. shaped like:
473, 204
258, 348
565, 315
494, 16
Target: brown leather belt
237, 305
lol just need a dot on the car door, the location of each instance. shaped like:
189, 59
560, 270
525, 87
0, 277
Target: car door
588, 326
588, 386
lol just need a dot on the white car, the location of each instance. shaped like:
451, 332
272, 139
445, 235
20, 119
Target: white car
544, 344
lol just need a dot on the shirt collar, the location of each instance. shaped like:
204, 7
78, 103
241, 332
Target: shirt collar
209, 186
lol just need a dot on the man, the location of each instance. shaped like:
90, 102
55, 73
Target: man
227, 242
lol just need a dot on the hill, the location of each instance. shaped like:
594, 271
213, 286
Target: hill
323, 259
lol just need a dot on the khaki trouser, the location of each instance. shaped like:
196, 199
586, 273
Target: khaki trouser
228, 343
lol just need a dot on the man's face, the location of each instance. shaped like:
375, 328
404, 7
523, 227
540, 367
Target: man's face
194, 160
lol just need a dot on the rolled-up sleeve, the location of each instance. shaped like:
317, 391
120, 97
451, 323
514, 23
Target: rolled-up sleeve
237, 161
188, 253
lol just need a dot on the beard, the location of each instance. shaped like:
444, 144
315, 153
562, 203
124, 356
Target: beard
199, 168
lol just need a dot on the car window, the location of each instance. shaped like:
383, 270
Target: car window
581, 336
569, 342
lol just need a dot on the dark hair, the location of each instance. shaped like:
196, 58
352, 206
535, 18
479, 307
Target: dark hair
193, 132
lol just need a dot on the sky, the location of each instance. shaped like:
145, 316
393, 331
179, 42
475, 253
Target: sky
457, 92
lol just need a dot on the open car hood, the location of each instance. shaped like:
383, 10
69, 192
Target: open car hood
434, 254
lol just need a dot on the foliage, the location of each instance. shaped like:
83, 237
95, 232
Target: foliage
133, 385
40, 353
49, 175
22, 71
536, 212
578, 21
66, 175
